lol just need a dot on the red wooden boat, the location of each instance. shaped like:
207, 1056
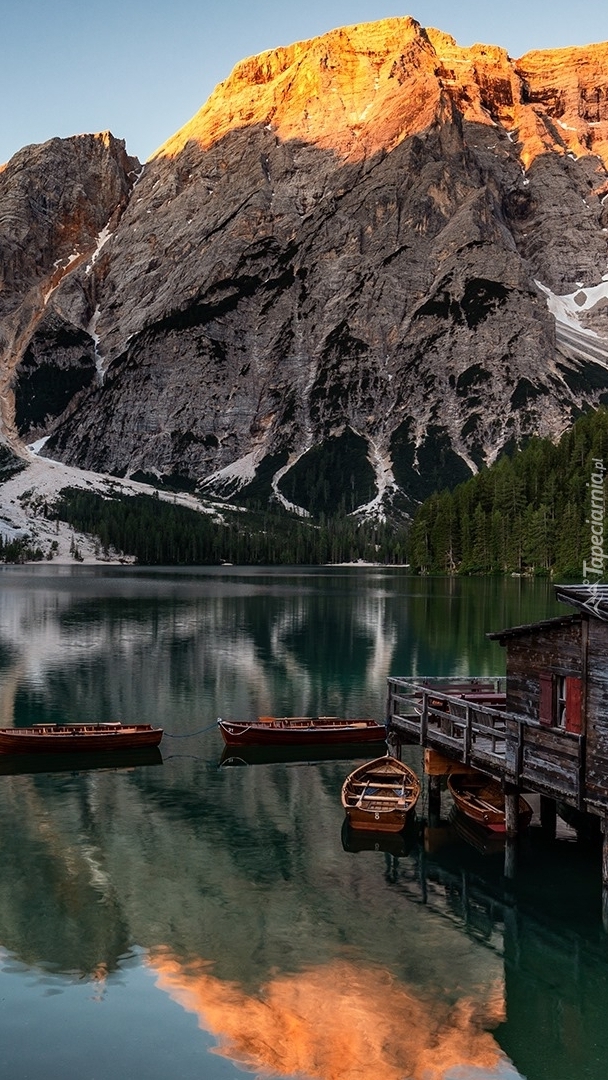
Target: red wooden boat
482, 800
78, 738
300, 731
379, 795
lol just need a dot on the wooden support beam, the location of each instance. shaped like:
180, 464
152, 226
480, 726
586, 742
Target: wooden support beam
519, 767
510, 857
436, 764
434, 794
394, 745
511, 810
468, 736
424, 720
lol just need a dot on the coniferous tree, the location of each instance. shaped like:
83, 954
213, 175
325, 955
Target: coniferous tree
525, 514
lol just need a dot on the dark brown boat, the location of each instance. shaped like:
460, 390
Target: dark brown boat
78, 738
300, 731
379, 795
481, 799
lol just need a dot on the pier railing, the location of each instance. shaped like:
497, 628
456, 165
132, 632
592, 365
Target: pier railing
465, 719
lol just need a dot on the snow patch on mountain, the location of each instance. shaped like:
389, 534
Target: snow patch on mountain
92, 332
27, 498
573, 339
102, 239
567, 308
285, 503
234, 476
386, 484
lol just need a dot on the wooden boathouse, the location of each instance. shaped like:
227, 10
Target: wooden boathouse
541, 728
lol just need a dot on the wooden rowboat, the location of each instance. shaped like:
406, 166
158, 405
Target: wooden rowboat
300, 731
78, 738
482, 800
379, 795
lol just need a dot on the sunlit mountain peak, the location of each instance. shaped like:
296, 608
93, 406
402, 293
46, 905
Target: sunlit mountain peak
362, 89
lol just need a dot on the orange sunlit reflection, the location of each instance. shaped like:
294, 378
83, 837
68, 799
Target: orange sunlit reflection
336, 1022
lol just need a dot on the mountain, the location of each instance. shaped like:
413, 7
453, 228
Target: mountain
369, 263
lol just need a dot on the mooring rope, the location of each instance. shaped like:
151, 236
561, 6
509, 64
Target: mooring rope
183, 757
189, 734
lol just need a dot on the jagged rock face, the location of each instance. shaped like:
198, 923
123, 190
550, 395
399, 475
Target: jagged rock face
339, 254
55, 200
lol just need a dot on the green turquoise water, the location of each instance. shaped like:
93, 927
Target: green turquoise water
189, 917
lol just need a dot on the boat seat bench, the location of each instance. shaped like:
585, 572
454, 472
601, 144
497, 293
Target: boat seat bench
380, 798
375, 784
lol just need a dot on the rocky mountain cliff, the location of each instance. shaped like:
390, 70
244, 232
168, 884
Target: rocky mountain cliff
371, 261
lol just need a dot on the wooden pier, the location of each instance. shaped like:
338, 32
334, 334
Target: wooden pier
542, 728
453, 717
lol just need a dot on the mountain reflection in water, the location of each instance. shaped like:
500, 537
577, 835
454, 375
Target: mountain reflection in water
301, 950
337, 1022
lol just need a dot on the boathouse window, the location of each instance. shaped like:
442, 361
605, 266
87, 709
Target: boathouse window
560, 714
560, 702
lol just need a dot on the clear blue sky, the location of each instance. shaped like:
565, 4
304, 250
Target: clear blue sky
142, 69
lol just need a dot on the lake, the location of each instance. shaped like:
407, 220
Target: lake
195, 917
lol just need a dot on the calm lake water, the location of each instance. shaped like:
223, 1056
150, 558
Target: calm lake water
191, 918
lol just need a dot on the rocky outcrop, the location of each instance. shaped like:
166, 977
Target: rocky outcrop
56, 201
346, 264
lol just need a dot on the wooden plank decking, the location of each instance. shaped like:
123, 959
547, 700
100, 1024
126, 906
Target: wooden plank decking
462, 719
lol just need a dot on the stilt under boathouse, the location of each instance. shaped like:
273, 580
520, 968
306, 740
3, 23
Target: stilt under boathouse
542, 728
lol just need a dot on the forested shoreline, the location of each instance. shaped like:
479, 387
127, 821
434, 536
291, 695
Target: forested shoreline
160, 533
527, 514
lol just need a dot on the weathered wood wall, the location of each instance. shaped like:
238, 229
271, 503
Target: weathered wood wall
597, 711
556, 649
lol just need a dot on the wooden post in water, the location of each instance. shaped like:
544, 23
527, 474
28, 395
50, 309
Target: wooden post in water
424, 719
393, 745
511, 811
512, 829
434, 793
510, 857
548, 816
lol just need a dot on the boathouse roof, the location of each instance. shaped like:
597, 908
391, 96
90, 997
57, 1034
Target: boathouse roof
587, 599
527, 628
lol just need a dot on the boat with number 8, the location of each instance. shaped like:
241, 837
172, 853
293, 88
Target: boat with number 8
300, 731
78, 738
379, 795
